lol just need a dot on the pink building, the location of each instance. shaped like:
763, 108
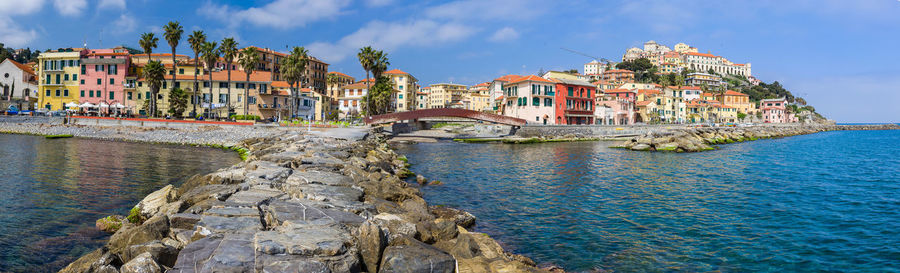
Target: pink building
773, 111
530, 98
611, 110
103, 78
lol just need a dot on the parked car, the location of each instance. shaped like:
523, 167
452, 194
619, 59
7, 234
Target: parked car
12, 110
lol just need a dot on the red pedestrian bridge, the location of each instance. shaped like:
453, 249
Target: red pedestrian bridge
444, 112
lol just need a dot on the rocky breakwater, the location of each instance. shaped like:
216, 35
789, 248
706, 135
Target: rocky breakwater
705, 139
299, 204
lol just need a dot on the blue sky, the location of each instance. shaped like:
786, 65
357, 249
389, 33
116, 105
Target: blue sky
841, 55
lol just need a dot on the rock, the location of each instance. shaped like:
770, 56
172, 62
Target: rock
110, 223
296, 213
416, 257
306, 241
233, 254
421, 179
152, 203
670, 146
372, 242
219, 224
195, 254
641, 147
321, 192
395, 226
460, 217
84, 263
253, 197
155, 228
143, 263
163, 254
319, 177
444, 229
183, 220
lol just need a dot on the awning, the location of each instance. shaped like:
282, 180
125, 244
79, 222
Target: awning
118, 105
71, 104
104, 105
87, 104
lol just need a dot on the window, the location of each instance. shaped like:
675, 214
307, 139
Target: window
146, 95
548, 102
571, 91
223, 85
57, 92
251, 100
112, 95
113, 69
400, 96
223, 98
239, 98
65, 92
181, 71
239, 85
83, 69
206, 84
82, 93
129, 95
47, 93
165, 84
57, 78
74, 77
401, 87
177, 84
536, 102
99, 81
112, 81
139, 95
66, 77
252, 86
91, 93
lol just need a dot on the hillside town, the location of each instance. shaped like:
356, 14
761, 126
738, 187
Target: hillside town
650, 85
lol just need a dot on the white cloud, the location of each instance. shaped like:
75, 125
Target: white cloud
390, 37
125, 24
14, 7
378, 3
280, 13
12, 35
70, 7
504, 34
120, 4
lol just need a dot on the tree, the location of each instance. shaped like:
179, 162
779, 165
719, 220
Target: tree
229, 51
148, 42
172, 34
741, 116
177, 102
379, 98
571, 71
196, 40
380, 64
210, 53
154, 74
249, 60
293, 68
366, 59
331, 80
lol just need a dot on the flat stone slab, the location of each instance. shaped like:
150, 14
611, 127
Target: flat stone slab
195, 254
234, 254
232, 212
183, 220
253, 197
294, 213
322, 241
325, 193
219, 224
268, 170
319, 177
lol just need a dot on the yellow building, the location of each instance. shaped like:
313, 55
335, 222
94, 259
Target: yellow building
405, 86
722, 113
58, 81
696, 111
563, 75
737, 100
444, 95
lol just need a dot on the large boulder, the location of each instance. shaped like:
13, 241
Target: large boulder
416, 257
156, 200
460, 217
155, 228
372, 242
143, 263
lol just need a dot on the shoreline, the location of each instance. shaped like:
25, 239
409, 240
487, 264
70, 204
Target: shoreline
368, 217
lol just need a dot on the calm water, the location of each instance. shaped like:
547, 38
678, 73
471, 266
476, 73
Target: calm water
814, 203
54, 190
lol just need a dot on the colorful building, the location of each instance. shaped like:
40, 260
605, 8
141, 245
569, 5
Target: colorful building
530, 98
775, 111
737, 100
102, 82
19, 84
611, 110
496, 86
444, 95
58, 78
350, 103
698, 79
617, 76
405, 86
574, 101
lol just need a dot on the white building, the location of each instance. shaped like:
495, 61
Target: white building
350, 102
530, 98
18, 82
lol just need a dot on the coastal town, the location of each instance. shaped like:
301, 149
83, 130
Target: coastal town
654, 84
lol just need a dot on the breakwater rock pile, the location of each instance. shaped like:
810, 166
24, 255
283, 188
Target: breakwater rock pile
299, 203
704, 139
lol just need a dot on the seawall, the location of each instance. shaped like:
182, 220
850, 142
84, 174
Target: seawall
300, 203
705, 139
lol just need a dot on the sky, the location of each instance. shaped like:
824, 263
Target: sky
842, 56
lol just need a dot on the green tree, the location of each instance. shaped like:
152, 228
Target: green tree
173, 31
154, 74
741, 116
366, 58
177, 102
148, 42
380, 64
196, 40
249, 60
293, 69
570, 71
379, 97
210, 53
229, 51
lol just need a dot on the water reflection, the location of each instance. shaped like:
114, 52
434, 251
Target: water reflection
54, 190
818, 202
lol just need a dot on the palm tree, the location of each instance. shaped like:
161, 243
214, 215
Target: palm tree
148, 42
331, 80
196, 40
154, 74
229, 51
380, 64
293, 67
210, 53
249, 59
365, 57
173, 33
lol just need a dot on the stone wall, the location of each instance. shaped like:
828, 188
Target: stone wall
592, 130
300, 203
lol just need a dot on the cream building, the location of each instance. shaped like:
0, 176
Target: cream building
405, 86
445, 95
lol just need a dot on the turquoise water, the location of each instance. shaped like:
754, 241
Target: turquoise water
827, 202
54, 190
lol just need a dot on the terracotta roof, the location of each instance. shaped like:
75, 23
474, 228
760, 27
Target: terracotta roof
707, 94
266, 50
530, 78
280, 84
499, 98
482, 84
395, 71
508, 78
649, 91
734, 93
358, 85
701, 54
421, 93
600, 82
685, 87
618, 91
366, 80
339, 74
643, 103
24, 68
617, 71
240, 76
739, 64
159, 55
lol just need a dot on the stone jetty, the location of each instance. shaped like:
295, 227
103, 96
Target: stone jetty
300, 203
705, 139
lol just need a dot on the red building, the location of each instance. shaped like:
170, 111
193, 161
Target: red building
574, 101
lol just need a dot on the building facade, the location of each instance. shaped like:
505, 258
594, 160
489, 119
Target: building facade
530, 98
58, 78
574, 101
102, 81
444, 95
350, 103
18, 83
405, 86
